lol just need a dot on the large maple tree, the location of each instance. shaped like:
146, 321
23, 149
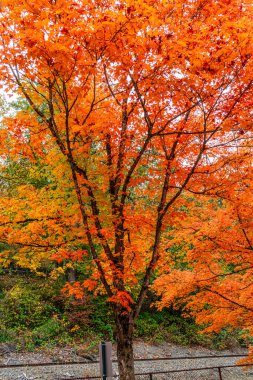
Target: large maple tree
139, 100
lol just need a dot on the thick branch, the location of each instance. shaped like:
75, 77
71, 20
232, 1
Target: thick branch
230, 300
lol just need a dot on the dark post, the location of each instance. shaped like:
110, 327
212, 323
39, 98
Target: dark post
103, 349
105, 356
220, 376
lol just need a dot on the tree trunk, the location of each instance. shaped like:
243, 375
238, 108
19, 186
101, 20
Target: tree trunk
125, 358
124, 335
71, 273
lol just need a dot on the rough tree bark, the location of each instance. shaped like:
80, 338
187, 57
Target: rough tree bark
124, 337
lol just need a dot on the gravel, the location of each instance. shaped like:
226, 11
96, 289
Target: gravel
142, 350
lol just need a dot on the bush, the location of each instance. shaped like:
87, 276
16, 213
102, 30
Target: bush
147, 325
101, 318
24, 307
49, 331
5, 335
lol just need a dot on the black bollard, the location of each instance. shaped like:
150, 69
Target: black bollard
105, 356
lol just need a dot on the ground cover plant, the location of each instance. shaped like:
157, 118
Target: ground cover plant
35, 316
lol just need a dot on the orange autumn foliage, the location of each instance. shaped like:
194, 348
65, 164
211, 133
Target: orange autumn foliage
134, 103
218, 241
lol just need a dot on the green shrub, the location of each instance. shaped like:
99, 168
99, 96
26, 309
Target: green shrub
101, 318
147, 325
47, 332
22, 306
5, 334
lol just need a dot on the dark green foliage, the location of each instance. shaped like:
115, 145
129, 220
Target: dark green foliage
178, 256
50, 331
101, 318
168, 325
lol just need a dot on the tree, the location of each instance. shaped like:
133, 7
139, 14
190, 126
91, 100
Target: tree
141, 100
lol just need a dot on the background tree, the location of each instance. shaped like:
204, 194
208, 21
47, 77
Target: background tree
141, 100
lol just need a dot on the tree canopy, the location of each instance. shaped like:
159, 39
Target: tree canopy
132, 105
